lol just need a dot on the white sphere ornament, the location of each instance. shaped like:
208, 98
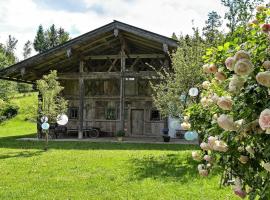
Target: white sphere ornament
193, 92
45, 126
44, 119
62, 119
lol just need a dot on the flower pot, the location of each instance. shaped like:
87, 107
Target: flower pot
120, 139
166, 138
165, 131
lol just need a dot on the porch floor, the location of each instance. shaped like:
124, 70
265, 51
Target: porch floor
141, 140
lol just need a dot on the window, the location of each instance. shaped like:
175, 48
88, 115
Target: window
155, 115
108, 110
130, 86
73, 113
110, 113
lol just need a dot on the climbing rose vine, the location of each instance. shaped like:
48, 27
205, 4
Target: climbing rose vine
233, 114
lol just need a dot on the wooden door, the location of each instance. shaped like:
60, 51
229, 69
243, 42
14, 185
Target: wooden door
137, 122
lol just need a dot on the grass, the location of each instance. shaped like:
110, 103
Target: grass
74, 170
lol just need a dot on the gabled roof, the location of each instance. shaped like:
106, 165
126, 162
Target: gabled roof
101, 41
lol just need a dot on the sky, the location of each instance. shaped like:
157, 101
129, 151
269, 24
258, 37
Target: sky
21, 18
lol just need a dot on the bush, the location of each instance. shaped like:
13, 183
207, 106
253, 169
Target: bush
8, 110
120, 133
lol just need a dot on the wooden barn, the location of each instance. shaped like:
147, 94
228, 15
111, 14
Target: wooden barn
106, 75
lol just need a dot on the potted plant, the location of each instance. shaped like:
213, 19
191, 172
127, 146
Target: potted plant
120, 134
166, 137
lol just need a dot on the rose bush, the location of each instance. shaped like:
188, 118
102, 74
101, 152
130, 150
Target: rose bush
233, 114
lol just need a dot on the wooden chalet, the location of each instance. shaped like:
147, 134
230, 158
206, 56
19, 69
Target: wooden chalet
106, 76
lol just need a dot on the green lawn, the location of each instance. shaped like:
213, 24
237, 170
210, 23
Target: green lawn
74, 170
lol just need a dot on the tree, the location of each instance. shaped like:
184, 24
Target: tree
11, 44
186, 73
50, 38
7, 58
211, 30
174, 36
52, 103
239, 12
63, 36
40, 44
27, 49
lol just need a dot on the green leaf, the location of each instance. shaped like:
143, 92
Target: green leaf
220, 48
227, 45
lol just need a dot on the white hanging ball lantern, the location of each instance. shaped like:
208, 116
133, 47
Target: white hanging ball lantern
193, 92
44, 119
62, 119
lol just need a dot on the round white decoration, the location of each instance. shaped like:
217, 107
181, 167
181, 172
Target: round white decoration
193, 92
62, 119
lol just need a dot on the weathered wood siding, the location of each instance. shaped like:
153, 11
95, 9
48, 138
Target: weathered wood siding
102, 106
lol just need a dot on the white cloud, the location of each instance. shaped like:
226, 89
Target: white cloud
21, 18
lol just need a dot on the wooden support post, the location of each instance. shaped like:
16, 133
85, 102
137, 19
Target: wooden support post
81, 102
122, 91
39, 129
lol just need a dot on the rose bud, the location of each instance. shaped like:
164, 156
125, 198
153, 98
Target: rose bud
265, 28
243, 159
220, 76
266, 64
229, 62
213, 68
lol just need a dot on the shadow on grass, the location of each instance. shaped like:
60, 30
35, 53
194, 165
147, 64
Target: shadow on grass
13, 143
20, 154
178, 167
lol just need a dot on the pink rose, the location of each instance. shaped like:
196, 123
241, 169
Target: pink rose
211, 141
206, 85
264, 120
229, 62
225, 103
185, 125
212, 68
266, 64
243, 159
206, 101
204, 146
215, 98
220, 76
243, 67
226, 122
206, 68
220, 146
207, 158
263, 78
241, 55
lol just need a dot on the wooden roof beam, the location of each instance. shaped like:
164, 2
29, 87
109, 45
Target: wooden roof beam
105, 57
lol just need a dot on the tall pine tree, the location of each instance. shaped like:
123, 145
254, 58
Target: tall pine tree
40, 44
27, 49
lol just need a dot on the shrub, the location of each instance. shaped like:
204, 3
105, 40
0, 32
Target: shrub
233, 116
10, 110
120, 133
